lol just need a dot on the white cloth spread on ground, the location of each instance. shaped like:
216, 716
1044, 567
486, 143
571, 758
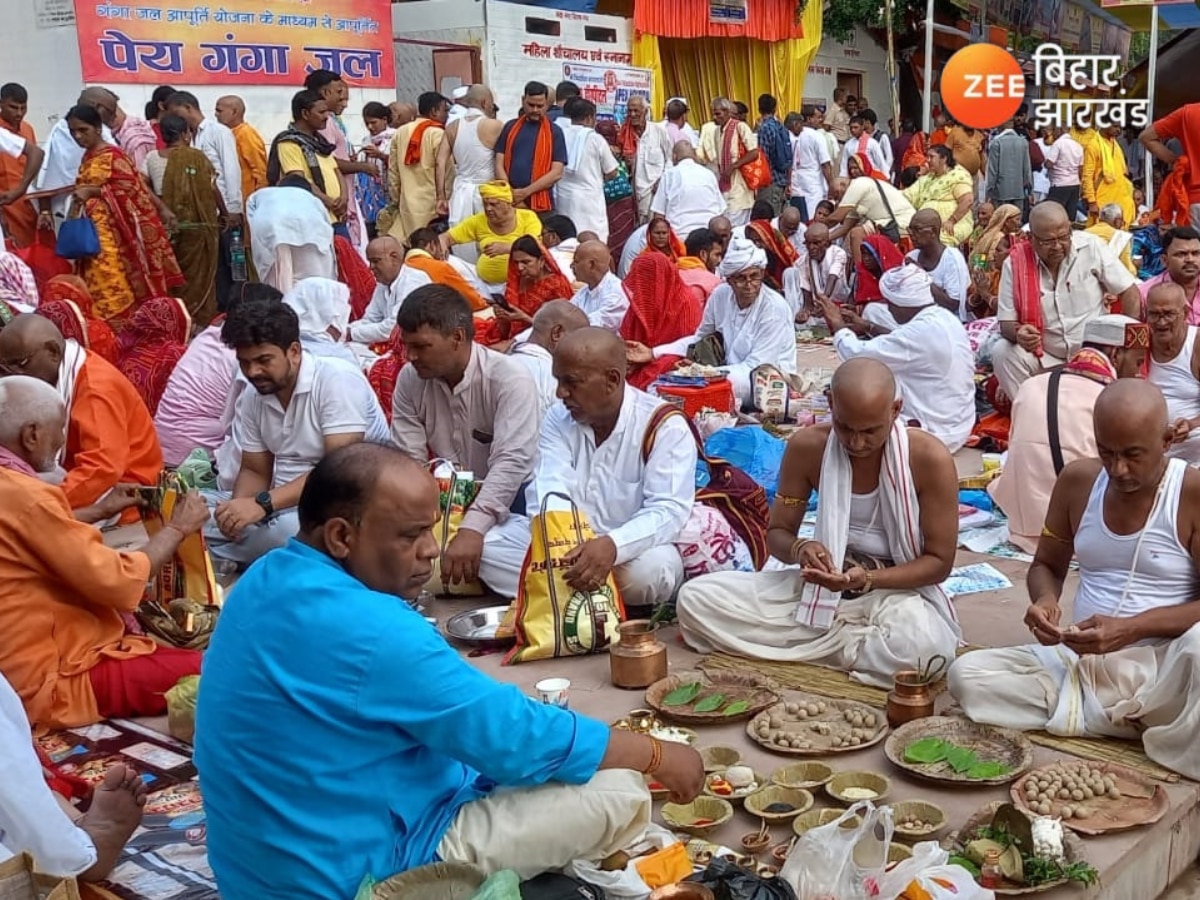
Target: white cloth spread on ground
605, 304
640, 503
767, 615
1148, 689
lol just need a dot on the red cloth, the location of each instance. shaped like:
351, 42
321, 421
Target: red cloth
354, 272
915, 154
661, 309
675, 249
67, 303
42, 260
138, 686
865, 164
384, 371
766, 20
1173, 205
887, 255
553, 285
627, 143
781, 255
1027, 287
152, 345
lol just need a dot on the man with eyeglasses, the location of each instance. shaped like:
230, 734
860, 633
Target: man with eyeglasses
749, 323
1175, 367
818, 274
1050, 288
1181, 250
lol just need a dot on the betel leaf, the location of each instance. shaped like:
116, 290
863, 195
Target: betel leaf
961, 759
711, 703
682, 696
737, 706
964, 863
926, 751
988, 769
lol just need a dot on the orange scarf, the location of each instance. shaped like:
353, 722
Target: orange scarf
412, 153
440, 272
690, 262
543, 158
915, 155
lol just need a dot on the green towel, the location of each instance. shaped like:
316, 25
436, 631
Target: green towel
501, 886
196, 472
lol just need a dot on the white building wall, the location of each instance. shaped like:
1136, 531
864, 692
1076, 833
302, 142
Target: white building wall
46, 61
861, 56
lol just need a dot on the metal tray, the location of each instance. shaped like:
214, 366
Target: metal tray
477, 627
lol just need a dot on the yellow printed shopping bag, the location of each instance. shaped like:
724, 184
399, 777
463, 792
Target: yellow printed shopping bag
457, 490
551, 618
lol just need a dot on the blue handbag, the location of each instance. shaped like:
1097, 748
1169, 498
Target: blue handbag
77, 239
618, 187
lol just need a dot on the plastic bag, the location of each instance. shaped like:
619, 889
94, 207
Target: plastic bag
730, 882
945, 883
625, 883
842, 860
926, 855
752, 450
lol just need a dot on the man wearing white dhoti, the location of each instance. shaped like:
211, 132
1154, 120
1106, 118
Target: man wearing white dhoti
812, 168
928, 353
1129, 664
863, 596
753, 321
1175, 366
470, 142
637, 494
579, 195
459, 401
290, 235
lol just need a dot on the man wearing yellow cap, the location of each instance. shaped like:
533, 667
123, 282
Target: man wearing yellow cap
493, 231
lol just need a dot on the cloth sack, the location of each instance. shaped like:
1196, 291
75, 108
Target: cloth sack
77, 238
841, 859
708, 351
552, 619
772, 393
707, 543
18, 881
457, 490
757, 172
181, 708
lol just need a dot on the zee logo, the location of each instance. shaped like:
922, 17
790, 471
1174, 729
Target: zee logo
982, 86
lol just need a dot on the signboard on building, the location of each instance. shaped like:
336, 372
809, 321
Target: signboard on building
235, 42
727, 12
609, 87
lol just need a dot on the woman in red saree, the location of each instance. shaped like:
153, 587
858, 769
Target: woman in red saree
67, 303
858, 165
781, 255
136, 261
661, 309
533, 279
879, 255
660, 238
152, 344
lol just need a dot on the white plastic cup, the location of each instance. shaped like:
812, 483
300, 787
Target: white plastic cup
554, 692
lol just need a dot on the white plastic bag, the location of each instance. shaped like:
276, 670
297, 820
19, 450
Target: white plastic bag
926, 855
842, 860
947, 883
626, 883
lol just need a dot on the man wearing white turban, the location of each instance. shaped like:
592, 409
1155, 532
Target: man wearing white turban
928, 352
755, 323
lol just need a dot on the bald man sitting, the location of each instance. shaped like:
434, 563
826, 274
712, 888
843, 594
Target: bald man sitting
592, 449
818, 274
111, 437
1050, 287
551, 323
602, 297
863, 595
1128, 664
62, 591
251, 150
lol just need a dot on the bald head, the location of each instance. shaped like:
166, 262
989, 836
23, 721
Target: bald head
817, 232
592, 263
32, 420
683, 150
479, 96
789, 220
1132, 434
230, 110
402, 113
386, 258
838, 188
863, 403
722, 228
593, 348
926, 218
93, 96
1048, 215
554, 321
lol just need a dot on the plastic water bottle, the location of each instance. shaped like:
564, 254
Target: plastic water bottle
237, 256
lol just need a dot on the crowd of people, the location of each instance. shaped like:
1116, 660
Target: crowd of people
310, 323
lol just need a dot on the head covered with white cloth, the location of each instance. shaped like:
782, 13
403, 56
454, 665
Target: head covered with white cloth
322, 305
740, 256
907, 287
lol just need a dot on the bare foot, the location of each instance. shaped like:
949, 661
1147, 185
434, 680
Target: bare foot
114, 815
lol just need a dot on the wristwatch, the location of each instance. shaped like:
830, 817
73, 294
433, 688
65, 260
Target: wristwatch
263, 499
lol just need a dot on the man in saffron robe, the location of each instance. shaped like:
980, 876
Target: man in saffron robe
18, 169
1103, 180
531, 153
412, 165
251, 150
110, 437
62, 591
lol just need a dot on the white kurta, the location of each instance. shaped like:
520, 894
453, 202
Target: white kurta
60, 168
654, 156
605, 305
808, 179
689, 198
874, 155
379, 318
634, 246
290, 236
31, 821
539, 361
934, 368
951, 275
640, 503
763, 334
800, 277
579, 195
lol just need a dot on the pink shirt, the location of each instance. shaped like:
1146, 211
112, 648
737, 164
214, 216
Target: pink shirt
1064, 160
1193, 301
700, 282
191, 413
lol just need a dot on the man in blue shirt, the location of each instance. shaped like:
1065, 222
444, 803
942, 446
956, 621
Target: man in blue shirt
338, 735
531, 152
776, 144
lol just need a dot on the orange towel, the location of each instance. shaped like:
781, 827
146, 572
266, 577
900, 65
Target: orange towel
412, 153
